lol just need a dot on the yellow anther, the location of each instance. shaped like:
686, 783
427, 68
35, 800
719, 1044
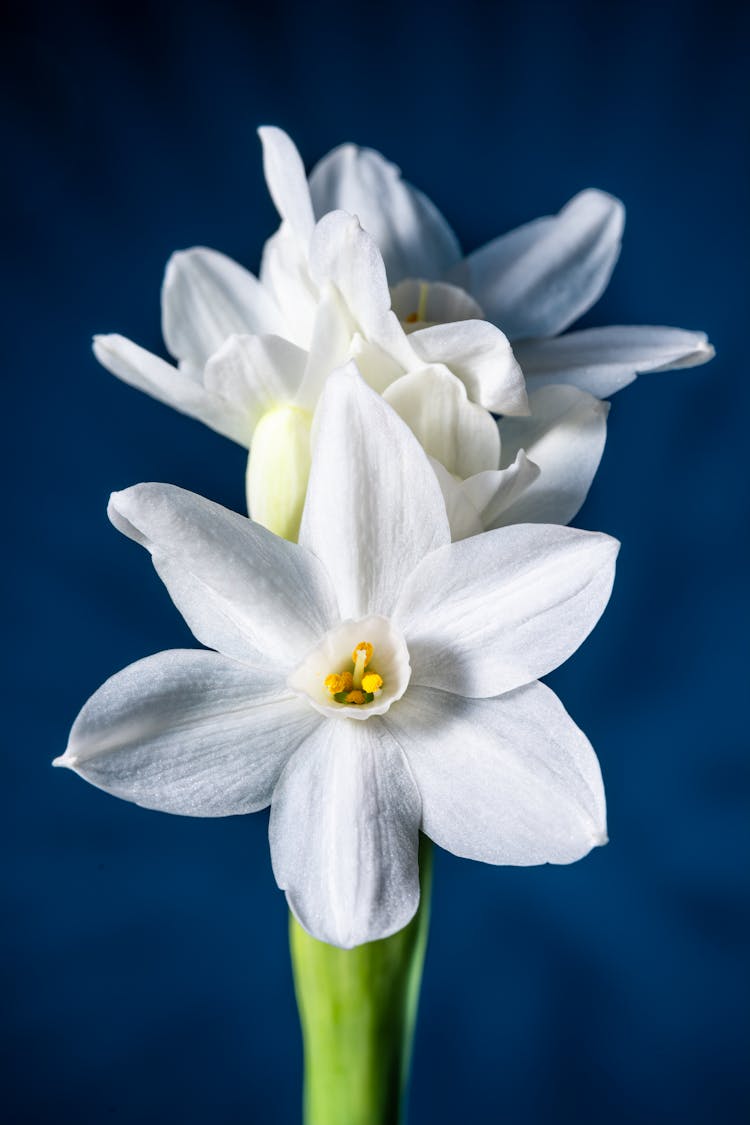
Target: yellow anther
355, 686
336, 683
363, 646
361, 657
420, 313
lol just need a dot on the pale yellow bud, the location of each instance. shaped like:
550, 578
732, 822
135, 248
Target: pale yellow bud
278, 470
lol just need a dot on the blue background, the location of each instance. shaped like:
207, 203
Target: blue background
146, 961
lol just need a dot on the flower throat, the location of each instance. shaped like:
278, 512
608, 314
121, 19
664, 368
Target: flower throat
355, 687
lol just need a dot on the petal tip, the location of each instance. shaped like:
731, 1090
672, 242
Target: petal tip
66, 760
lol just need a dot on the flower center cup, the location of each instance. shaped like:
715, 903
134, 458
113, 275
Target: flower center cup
357, 670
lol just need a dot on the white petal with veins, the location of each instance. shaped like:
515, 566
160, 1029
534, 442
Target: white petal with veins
344, 834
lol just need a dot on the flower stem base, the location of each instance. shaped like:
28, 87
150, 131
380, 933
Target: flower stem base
358, 1011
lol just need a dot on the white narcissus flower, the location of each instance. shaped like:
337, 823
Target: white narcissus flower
533, 283
371, 681
261, 387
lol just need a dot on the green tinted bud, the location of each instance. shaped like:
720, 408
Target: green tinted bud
278, 469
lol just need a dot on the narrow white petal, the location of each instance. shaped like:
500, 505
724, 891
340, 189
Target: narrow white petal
604, 360
342, 254
330, 346
538, 279
499, 610
344, 834
483, 359
506, 780
376, 365
460, 434
565, 437
189, 732
256, 374
432, 302
207, 297
286, 180
170, 385
284, 273
414, 238
463, 515
374, 507
473, 504
242, 590
493, 493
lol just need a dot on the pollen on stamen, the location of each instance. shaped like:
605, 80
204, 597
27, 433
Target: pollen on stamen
372, 682
366, 648
336, 682
355, 697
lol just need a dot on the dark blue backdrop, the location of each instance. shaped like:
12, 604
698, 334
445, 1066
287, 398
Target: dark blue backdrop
146, 955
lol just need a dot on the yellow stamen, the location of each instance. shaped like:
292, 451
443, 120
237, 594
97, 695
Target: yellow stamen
361, 656
336, 683
355, 686
366, 648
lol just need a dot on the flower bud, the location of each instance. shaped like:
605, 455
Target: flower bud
278, 469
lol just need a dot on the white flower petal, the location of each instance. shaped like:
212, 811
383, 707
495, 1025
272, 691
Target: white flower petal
342, 254
463, 515
483, 359
499, 610
565, 437
374, 507
284, 273
171, 385
256, 374
207, 297
414, 238
505, 780
432, 302
242, 590
344, 834
286, 180
377, 367
604, 360
331, 342
457, 432
538, 279
189, 732
492, 493
473, 504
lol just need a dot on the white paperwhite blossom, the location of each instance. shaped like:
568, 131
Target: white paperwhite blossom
371, 681
533, 283
253, 358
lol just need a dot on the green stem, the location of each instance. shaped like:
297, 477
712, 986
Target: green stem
358, 1009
